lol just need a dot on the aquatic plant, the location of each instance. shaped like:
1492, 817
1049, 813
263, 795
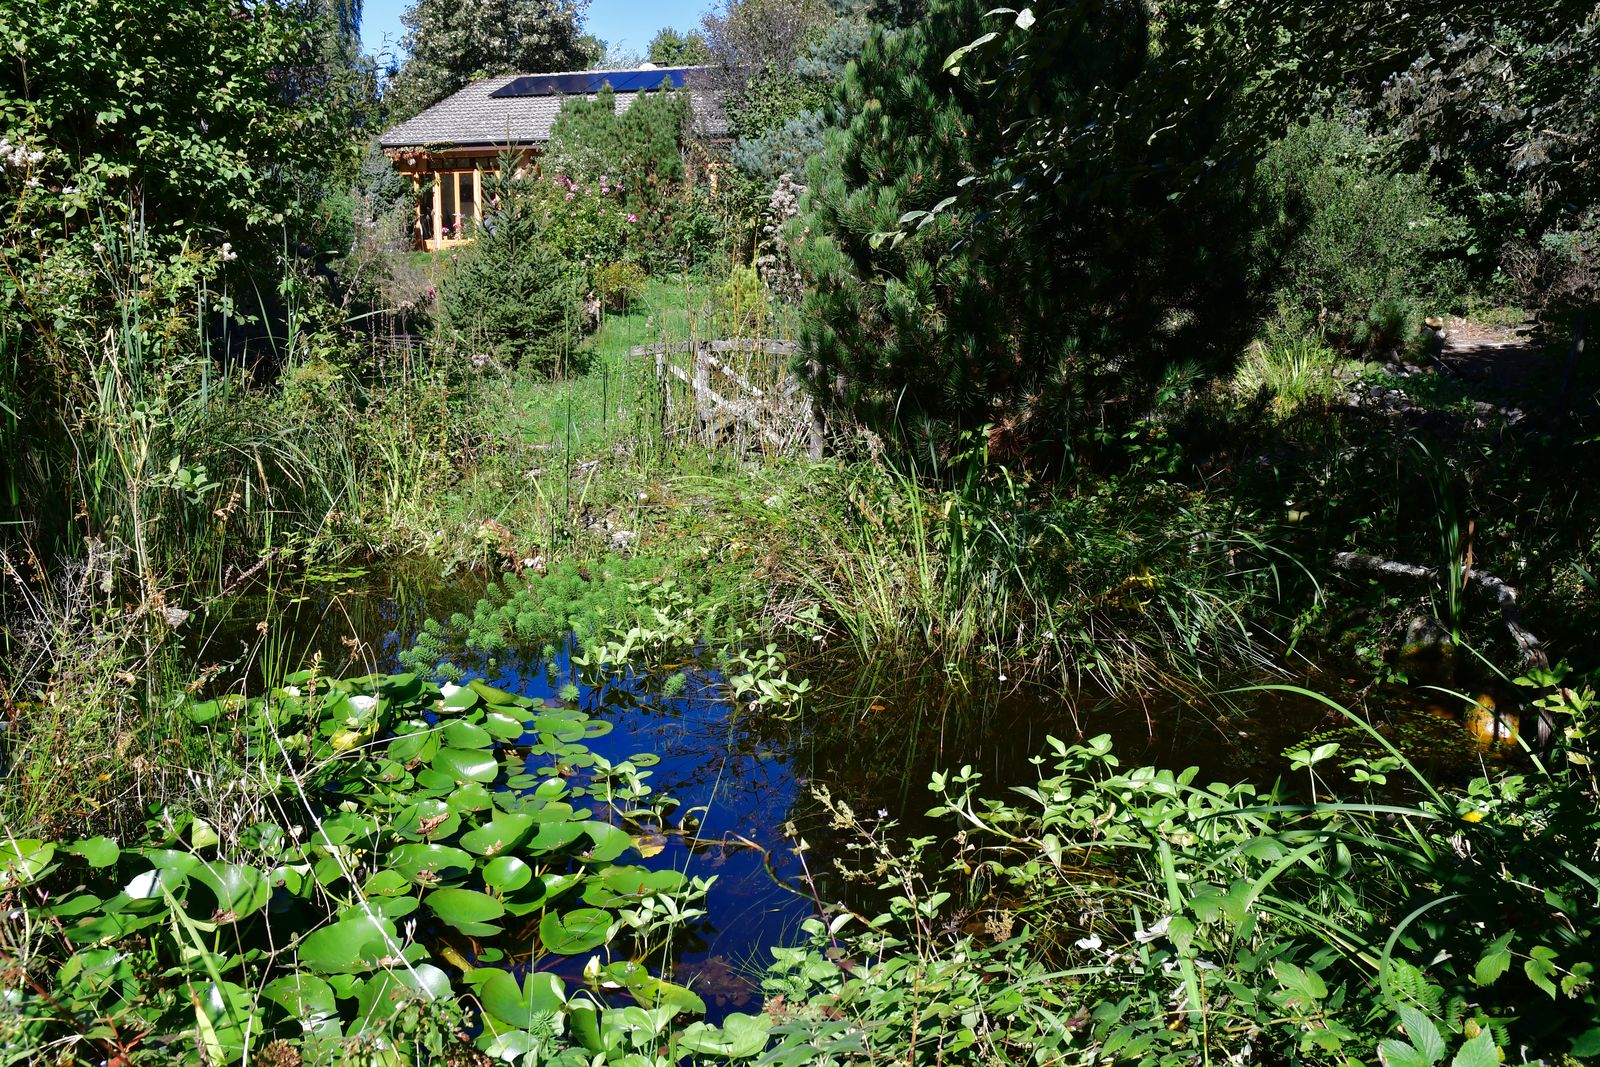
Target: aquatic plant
400, 829
1139, 916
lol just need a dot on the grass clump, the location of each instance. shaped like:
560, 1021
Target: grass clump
1292, 374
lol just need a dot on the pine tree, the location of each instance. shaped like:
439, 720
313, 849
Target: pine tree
450, 42
1040, 326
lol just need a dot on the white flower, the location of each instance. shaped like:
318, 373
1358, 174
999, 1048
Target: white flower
228, 254
363, 704
1091, 943
292, 690
1157, 929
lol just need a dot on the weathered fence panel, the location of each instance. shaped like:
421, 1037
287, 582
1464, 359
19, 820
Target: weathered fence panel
736, 388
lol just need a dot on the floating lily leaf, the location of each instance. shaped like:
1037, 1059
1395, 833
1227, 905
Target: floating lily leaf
504, 726
541, 993
506, 874
473, 796
352, 944
597, 728
98, 851
649, 845
156, 884
491, 694
386, 884
430, 863
462, 699
504, 831
555, 835
574, 932
430, 818
308, 999
609, 841
510, 1046
465, 765
23, 861
466, 735
383, 994
202, 712
421, 746
467, 910
239, 890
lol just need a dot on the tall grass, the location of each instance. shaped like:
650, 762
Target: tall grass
989, 572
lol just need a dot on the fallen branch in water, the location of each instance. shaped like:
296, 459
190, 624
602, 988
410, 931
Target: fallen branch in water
1505, 596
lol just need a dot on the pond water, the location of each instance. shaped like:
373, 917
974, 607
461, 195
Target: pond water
745, 779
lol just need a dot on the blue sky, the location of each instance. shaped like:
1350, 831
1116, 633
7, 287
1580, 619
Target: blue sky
627, 24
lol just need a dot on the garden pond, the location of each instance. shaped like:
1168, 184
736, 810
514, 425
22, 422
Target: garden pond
743, 778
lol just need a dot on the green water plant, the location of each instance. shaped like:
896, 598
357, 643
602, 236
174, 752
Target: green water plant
1111, 915
420, 863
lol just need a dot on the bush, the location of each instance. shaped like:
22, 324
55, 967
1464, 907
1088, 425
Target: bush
1369, 252
512, 297
619, 284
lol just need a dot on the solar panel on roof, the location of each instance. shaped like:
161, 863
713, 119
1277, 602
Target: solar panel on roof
623, 81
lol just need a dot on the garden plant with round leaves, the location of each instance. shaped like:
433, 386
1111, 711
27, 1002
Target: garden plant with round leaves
435, 856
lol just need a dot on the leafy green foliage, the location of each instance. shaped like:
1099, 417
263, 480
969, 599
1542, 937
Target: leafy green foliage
448, 43
669, 48
927, 318
1126, 913
1361, 237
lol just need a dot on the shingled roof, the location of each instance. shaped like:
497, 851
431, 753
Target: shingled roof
473, 117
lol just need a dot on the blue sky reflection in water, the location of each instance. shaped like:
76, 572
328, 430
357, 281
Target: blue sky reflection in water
736, 786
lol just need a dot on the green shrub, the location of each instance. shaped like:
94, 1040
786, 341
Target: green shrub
1368, 251
619, 285
512, 297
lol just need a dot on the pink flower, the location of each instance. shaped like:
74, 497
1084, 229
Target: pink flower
632, 217
569, 196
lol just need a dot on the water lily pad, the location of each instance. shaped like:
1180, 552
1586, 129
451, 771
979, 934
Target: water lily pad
383, 994
473, 796
202, 712
386, 884
97, 851
506, 874
609, 841
23, 861
576, 931
240, 890
504, 831
466, 765
352, 944
491, 694
307, 998
430, 863
467, 910
504, 726
409, 748
432, 819
466, 735
540, 993
156, 884
462, 699
554, 835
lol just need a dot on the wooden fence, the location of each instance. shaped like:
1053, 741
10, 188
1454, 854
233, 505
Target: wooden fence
736, 389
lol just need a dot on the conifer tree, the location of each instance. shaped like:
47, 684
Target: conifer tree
928, 317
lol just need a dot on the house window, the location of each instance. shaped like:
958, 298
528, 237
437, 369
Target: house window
448, 206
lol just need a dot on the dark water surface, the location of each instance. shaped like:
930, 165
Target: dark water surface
745, 778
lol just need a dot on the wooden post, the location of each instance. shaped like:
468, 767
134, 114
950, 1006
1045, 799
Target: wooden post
438, 209
477, 195
416, 206
702, 386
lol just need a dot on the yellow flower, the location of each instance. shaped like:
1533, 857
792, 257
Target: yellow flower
1473, 816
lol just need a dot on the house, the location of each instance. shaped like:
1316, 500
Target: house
447, 148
